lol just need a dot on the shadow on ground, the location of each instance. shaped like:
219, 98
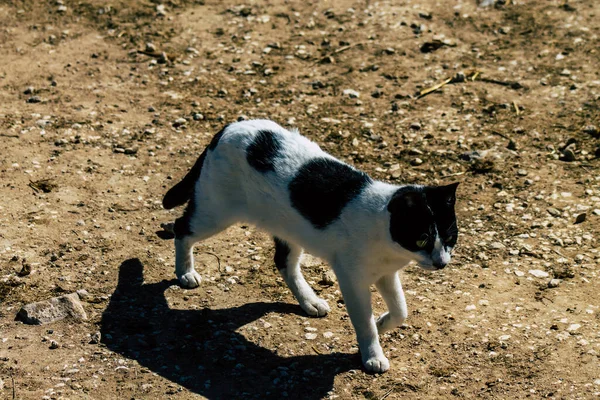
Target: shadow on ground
201, 350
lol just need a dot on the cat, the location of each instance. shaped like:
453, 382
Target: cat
258, 172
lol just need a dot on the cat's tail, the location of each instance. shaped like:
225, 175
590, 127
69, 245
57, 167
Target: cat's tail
183, 191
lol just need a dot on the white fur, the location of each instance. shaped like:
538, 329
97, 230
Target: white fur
358, 245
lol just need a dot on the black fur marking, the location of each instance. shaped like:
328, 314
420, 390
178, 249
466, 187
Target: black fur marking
184, 190
323, 187
282, 251
261, 153
416, 213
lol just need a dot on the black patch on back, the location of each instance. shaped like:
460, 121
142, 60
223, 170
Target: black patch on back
282, 251
263, 150
416, 213
323, 187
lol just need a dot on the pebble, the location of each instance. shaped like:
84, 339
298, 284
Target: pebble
522, 172
504, 338
96, 337
1, 384
573, 327
553, 211
415, 126
310, 336
471, 307
519, 273
327, 335
198, 117
150, 47
416, 161
34, 99
54, 345
554, 283
160, 10
538, 273
310, 329
328, 278
592, 130
54, 309
179, 122
580, 218
353, 94
568, 155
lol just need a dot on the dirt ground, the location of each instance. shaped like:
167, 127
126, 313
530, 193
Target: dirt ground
105, 104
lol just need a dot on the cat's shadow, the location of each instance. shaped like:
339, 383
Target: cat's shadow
201, 350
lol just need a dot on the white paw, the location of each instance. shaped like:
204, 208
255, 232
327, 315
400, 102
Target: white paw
315, 307
377, 365
386, 322
190, 280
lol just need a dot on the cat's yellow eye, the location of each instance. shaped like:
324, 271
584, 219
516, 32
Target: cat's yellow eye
423, 241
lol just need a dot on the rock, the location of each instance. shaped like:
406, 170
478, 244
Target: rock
470, 307
538, 273
310, 336
580, 218
1, 384
54, 345
415, 126
96, 337
34, 99
327, 335
328, 278
29, 90
353, 94
198, 117
522, 172
504, 338
573, 327
416, 161
568, 155
554, 283
179, 122
590, 130
83, 294
160, 10
150, 47
55, 309
553, 211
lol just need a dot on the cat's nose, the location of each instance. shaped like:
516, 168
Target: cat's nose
439, 264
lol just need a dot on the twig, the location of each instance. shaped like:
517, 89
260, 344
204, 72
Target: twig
501, 135
216, 256
386, 394
12, 378
7, 135
316, 351
340, 50
432, 89
455, 174
516, 107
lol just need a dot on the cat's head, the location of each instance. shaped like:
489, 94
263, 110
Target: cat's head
422, 221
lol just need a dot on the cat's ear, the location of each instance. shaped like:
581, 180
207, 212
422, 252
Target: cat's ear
406, 200
450, 192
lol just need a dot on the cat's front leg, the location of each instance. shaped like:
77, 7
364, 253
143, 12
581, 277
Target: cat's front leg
390, 288
357, 297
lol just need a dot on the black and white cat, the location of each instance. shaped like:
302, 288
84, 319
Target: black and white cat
258, 172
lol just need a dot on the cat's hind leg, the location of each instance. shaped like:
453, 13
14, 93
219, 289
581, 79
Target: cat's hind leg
390, 288
192, 227
287, 261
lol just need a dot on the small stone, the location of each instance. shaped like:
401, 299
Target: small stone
198, 117
327, 335
580, 218
1, 384
470, 307
590, 130
573, 327
554, 283
34, 99
83, 294
29, 90
328, 278
415, 126
55, 309
54, 345
150, 47
179, 122
62, 8
390, 51
568, 155
310, 329
504, 338
553, 211
522, 172
353, 94
417, 161
538, 273
96, 337
310, 336
160, 10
